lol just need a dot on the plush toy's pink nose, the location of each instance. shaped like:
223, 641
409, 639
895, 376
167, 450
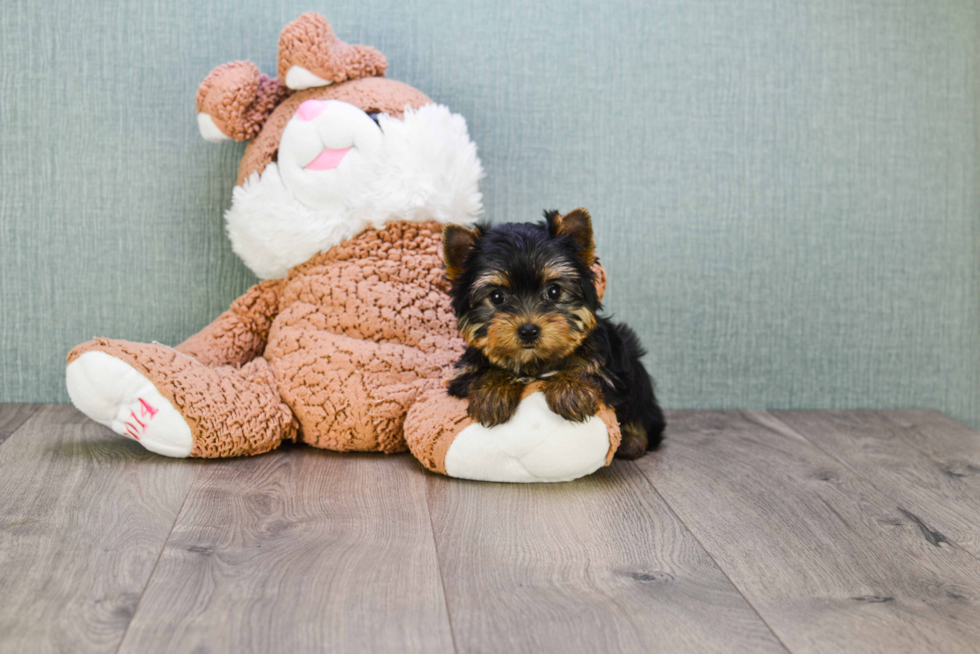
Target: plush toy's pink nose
311, 109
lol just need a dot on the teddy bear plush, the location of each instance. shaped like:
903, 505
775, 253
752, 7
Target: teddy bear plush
347, 344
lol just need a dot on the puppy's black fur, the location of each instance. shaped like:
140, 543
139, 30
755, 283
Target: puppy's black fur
526, 301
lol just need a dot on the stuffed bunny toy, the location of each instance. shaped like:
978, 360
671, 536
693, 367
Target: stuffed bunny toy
348, 342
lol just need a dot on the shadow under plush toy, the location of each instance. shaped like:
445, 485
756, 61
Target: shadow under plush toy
348, 345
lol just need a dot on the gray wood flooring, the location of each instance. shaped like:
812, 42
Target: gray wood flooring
852, 531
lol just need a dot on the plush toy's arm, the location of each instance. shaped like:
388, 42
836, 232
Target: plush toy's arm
535, 445
239, 334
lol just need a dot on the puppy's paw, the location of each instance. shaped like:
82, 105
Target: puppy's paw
572, 397
494, 399
491, 408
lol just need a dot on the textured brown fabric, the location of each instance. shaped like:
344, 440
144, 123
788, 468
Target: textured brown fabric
231, 411
371, 94
608, 416
350, 394
309, 42
239, 98
239, 334
363, 330
383, 285
431, 426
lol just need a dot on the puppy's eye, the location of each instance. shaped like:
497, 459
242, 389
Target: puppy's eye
554, 292
497, 298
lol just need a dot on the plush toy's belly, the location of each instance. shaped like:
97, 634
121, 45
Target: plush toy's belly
349, 393
383, 285
363, 330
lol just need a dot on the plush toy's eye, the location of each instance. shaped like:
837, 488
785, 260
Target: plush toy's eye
554, 292
497, 297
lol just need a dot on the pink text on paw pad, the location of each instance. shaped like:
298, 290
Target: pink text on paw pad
147, 413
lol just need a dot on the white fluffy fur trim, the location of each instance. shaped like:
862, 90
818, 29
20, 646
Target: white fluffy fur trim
426, 169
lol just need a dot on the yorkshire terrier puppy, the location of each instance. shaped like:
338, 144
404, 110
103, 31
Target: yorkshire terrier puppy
526, 301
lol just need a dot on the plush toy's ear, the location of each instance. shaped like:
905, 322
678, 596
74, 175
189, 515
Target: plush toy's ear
577, 225
234, 101
311, 55
456, 244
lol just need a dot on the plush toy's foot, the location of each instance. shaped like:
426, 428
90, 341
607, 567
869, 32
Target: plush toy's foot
175, 405
535, 445
113, 393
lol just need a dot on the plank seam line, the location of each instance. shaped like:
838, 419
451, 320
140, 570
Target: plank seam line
153, 570
711, 556
870, 482
435, 547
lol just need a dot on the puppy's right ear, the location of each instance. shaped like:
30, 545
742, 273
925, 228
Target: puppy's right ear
457, 241
577, 225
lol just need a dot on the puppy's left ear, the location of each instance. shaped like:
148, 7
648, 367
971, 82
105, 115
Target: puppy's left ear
457, 241
577, 225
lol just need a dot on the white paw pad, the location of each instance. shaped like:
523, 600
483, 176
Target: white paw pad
113, 393
534, 445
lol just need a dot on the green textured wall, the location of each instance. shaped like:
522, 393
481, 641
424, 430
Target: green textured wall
785, 193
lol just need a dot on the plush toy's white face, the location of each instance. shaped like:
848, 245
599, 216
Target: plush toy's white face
327, 153
340, 170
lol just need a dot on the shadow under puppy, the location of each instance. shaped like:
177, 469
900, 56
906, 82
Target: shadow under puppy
526, 301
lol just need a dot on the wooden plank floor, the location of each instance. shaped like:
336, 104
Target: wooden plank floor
849, 531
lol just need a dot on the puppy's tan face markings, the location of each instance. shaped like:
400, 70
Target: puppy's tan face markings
505, 348
489, 281
584, 318
555, 272
562, 325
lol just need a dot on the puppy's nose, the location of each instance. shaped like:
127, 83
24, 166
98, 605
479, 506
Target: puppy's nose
528, 332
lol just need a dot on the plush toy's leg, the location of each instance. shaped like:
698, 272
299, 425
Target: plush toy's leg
351, 394
176, 406
535, 445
